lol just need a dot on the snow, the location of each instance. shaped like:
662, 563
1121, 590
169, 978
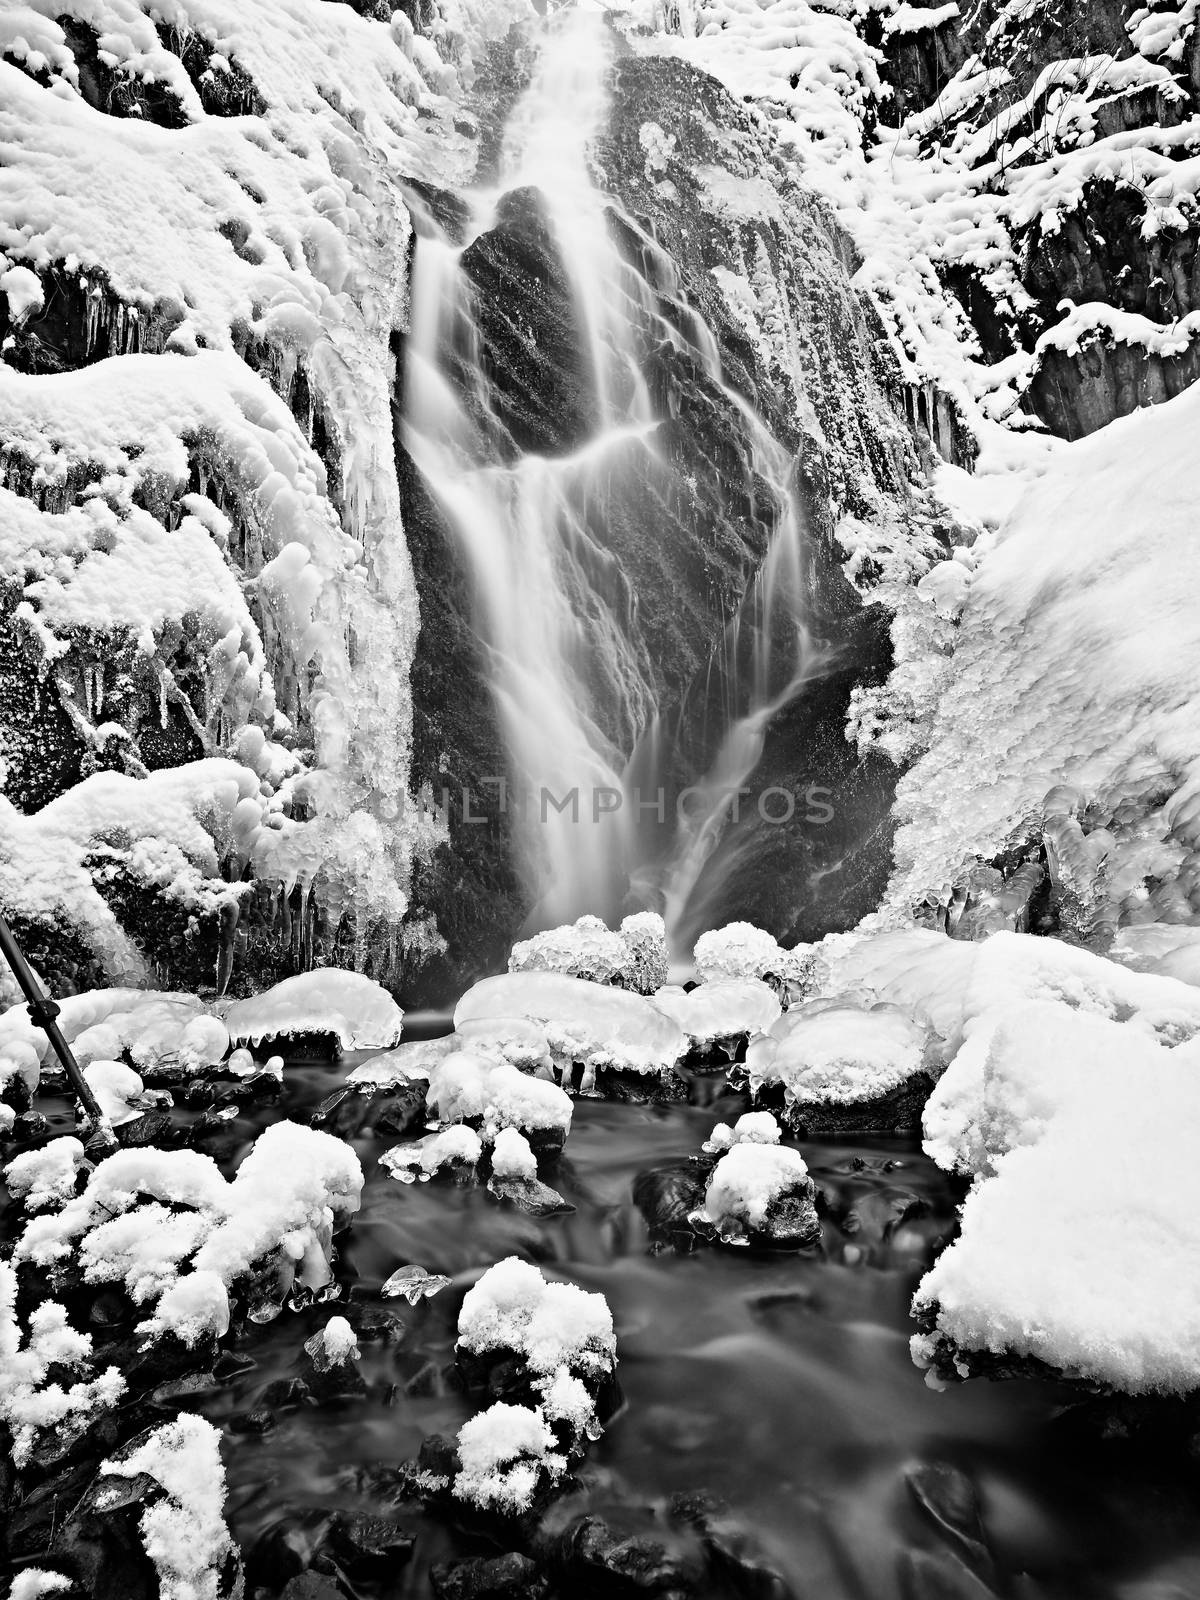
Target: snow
504, 1451
512, 1157
498, 1096
744, 1184
23, 291
752, 1127
335, 1344
720, 1011
551, 1325
633, 958
830, 1053
1079, 1248
45, 1178
184, 1532
740, 950
290, 1192
28, 1404
34, 1583
1096, 566
357, 1010
584, 1022
118, 1089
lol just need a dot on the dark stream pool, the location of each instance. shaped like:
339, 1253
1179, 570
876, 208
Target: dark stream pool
780, 1386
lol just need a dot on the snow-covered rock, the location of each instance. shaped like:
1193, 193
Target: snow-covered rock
634, 958
30, 1404
839, 1065
740, 950
493, 1096
48, 1177
182, 1527
752, 1127
176, 1235
759, 1193
587, 1023
458, 1148
565, 1350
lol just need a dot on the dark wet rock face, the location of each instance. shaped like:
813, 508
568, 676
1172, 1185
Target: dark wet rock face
675, 536
1106, 244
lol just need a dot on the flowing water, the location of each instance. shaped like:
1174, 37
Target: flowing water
575, 691
781, 1386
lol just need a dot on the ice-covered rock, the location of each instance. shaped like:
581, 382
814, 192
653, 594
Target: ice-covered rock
182, 1526
411, 1062
921, 971
119, 1091
414, 1284
458, 1147
720, 1013
839, 1066
760, 1194
176, 1235
358, 1012
598, 1027
29, 1403
515, 1178
740, 950
633, 958
20, 1071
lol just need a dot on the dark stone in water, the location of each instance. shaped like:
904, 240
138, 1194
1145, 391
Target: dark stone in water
641, 1088
666, 1196
895, 1112
730, 1550
312, 1586
590, 1560
949, 1499
285, 1551
507, 1577
153, 1128
368, 1547
439, 1456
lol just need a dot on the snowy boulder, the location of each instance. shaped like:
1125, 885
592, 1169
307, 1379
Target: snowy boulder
353, 1009
549, 1351
634, 958
721, 1014
515, 1177
740, 950
601, 1029
760, 1194
837, 1067
491, 1096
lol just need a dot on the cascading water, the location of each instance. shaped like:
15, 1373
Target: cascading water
575, 688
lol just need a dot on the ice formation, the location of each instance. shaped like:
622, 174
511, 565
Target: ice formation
634, 958
176, 1235
456, 1146
28, 1403
589, 1023
357, 1010
720, 1012
1096, 565
478, 1089
183, 1529
333, 1346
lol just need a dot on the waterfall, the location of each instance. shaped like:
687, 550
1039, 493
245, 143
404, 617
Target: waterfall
573, 684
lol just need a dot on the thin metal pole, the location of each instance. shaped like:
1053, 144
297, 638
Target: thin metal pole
44, 1012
